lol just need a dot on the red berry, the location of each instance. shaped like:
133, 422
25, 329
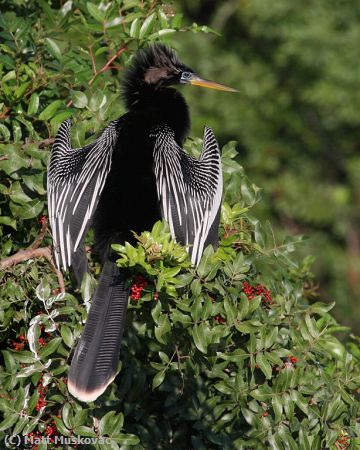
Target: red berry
42, 342
219, 319
42, 220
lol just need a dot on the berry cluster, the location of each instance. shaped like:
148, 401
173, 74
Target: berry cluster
343, 442
19, 343
34, 435
290, 363
255, 291
220, 319
139, 284
43, 220
49, 431
42, 342
41, 390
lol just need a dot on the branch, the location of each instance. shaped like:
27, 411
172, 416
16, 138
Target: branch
92, 59
103, 69
46, 142
108, 64
41, 144
35, 251
32, 253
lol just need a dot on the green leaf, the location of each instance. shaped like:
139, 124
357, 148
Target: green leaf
127, 439
50, 110
5, 131
300, 401
206, 262
271, 336
135, 28
20, 90
111, 423
178, 316
20, 425
62, 428
162, 328
54, 49
264, 365
158, 379
230, 310
97, 100
163, 32
254, 304
311, 324
61, 116
50, 347
243, 307
83, 430
95, 11
67, 335
10, 362
24, 357
196, 287
196, 309
9, 421
320, 308
79, 99
199, 335
33, 105
277, 407
147, 26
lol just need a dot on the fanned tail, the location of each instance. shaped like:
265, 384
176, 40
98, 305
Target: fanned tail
96, 357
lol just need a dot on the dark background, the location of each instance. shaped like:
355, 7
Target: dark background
296, 120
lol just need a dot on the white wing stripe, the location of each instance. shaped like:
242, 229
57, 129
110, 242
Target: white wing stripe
189, 188
72, 172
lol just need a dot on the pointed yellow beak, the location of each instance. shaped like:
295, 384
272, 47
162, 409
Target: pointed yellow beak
197, 81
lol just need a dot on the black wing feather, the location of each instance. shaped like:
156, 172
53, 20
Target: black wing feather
189, 190
76, 178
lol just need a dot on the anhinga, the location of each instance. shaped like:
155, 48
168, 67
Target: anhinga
116, 184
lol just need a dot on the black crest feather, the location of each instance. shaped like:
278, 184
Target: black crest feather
156, 57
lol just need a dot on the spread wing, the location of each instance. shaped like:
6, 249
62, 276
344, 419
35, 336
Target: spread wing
189, 190
76, 178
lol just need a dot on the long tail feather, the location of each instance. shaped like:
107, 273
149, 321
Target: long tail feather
96, 357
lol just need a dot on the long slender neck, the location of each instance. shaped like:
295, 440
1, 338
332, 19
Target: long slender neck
158, 105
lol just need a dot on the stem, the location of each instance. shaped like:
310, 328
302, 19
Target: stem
35, 251
108, 64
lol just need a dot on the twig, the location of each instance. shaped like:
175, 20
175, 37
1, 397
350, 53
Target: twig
35, 251
92, 59
46, 142
108, 64
179, 367
3, 158
41, 144
31, 253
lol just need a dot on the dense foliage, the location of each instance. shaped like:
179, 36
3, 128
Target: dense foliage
296, 120
235, 354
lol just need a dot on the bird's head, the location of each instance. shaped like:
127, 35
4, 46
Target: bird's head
157, 67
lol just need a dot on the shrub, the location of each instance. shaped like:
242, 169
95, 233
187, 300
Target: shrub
235, 354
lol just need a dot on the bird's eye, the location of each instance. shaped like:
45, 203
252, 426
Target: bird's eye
186, 75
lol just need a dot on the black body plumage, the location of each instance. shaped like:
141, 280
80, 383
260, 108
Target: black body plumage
132, 175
